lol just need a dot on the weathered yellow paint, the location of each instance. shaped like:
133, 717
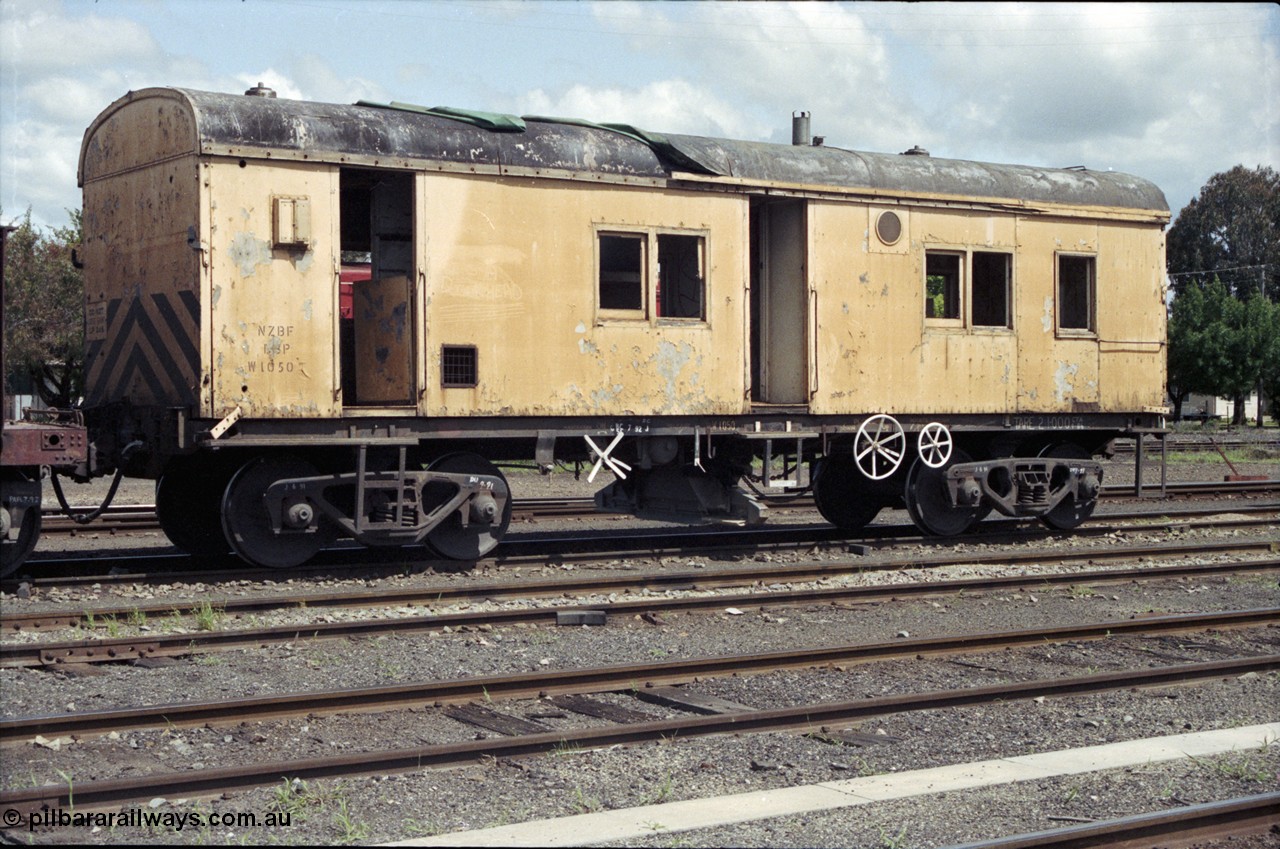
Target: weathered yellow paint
142, 260
213, 293
272, 309
510, 268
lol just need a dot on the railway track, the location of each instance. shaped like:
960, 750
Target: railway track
1187, 826
532, 549
634, 678
131, 518
737, 575
120, 649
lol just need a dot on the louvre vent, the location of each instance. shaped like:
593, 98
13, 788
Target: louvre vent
457, 366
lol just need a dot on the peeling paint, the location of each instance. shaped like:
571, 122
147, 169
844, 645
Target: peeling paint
1063, 384
307, 309
1046, 320
586, 346
581, 328
248, 252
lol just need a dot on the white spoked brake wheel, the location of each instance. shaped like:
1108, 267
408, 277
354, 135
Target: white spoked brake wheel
879, 447
934, 444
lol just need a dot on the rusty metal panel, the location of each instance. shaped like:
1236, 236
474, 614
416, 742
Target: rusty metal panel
142, 257
140, 129
384, 340
929, 176
273, 307
510, 268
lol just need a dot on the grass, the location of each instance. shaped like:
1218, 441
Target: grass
208, 617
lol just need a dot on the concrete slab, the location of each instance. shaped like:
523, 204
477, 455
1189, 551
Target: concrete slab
631, 823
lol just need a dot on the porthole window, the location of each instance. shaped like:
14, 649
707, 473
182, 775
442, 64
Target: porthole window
889, 227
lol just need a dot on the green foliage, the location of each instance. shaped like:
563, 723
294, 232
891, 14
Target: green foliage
1230, 230
1220, 344
44, 311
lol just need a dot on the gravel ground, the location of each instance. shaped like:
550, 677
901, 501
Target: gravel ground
379, 808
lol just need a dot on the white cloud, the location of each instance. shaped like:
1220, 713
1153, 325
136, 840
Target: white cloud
673, 106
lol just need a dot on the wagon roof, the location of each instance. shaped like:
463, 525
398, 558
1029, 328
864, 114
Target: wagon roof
396, 134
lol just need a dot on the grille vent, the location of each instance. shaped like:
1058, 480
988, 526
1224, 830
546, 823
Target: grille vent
458, 366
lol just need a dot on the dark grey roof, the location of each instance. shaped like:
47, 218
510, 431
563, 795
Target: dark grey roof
326, 130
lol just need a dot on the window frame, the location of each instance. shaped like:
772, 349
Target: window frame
1090, 330
961, 285
650, 281
1008, 291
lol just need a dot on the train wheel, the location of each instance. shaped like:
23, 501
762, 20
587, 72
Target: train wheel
1069, 513
247, 524
928, 503
839, 498
21, 540
453, 539
189, 504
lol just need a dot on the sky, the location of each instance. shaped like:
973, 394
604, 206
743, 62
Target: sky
1174, 93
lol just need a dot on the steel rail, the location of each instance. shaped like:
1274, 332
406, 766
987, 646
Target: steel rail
811, 717
108, 650
734, 576
140, 517
1246, 815
519, 549
395, 697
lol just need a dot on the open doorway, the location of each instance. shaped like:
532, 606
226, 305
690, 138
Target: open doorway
779, 303
376, 341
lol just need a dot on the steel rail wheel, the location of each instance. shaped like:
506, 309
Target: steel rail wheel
928, 503
839, 498
247, 523
476, 537
20, 541
1070, 513
189, 504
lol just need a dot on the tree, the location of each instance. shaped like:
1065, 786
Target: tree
1186, 353
44, 310
1219, 344
1230, 230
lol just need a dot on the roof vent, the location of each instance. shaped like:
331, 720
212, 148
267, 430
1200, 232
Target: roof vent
260, 91
800, 128
915, 151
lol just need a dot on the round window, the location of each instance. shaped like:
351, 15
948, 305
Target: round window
889, 227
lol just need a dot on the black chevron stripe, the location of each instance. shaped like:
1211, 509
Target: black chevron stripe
135, 346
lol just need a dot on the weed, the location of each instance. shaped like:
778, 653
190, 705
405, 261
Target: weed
1073, 793
897, 841
113, 626
137, 618
353, 830
208, 617
417, 828
663, 791
389, 669
71, 789
1080, 591
88, 621
583, 803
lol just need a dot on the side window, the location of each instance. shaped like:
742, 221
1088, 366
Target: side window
681, 276
992, 275
622, 262
1077, 292
942, 286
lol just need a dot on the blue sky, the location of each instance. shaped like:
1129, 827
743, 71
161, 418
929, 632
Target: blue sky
1171, 92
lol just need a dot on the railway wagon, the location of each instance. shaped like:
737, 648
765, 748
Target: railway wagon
42, 441
692, 316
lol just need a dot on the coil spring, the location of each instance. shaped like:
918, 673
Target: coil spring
1033, 489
